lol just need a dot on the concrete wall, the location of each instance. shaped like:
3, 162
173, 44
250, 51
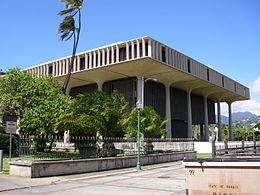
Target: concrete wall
206, 147
165, 146
53, 168
203, 147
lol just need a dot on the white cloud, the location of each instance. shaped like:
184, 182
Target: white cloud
256, 86
252, 106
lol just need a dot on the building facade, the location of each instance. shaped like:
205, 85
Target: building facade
153, 74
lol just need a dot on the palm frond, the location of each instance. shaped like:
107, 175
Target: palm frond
77, 4
66, 11
68, 24
68, 36
64, 35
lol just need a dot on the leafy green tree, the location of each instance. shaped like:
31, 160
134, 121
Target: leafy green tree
5, 143
257, 131
151, 124
244, 133
95, 112
69, 29
2, 130
37, 101
16, 92
48, 104
225, 132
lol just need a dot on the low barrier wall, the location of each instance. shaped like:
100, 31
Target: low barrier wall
164, 146
35, 169
206, 147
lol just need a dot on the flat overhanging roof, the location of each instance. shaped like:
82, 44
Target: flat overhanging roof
151, 68
148, 58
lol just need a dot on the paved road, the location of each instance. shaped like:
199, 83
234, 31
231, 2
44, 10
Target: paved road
167, 178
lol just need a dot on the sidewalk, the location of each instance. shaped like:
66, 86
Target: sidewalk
8, 183
166, 178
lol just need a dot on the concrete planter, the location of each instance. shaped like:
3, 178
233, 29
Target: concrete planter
148, 147
87, 150
34, 169
222, 176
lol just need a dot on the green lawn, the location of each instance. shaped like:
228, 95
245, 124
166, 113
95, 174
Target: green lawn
6, 164
204, 155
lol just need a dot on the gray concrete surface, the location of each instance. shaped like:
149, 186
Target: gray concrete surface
166, 178
38, 169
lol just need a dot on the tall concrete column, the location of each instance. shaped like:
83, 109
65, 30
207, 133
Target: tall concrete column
68, 91
127, 51
219, 123
189, 114
117, 53
100, 86
168, 110
138, 49
142, 91
149, 48
206, 118
143, 47
231, 137
139, 90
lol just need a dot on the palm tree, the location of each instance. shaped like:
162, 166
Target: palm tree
68, 29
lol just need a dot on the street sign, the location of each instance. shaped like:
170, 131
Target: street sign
10, 127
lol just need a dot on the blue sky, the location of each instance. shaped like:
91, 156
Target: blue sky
223, 34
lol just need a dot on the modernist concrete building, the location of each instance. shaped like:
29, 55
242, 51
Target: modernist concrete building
185, 90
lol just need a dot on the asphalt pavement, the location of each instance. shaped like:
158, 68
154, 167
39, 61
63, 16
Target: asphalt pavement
166, 178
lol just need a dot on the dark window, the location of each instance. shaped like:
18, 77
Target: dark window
96, 59
163, 55
235, 86
82, 64
110, 56
208, 74
135, 50
115, 55
72, 65
141, 49
111, 88
130, 52
88, 62
105, 58
92, 60
122, 54
65, 66
146, 49
223, 81
189, 65
101, 58
50, 70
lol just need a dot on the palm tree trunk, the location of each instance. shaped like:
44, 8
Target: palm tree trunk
51, 144
74, 50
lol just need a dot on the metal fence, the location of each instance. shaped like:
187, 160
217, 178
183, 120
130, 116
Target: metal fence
243, 147
79, 147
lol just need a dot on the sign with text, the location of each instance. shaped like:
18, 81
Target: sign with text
10, 127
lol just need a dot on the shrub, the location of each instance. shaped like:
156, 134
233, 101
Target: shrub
4, 143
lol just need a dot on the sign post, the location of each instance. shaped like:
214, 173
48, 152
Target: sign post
11, 129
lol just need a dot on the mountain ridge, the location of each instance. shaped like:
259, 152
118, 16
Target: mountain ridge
236, 116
